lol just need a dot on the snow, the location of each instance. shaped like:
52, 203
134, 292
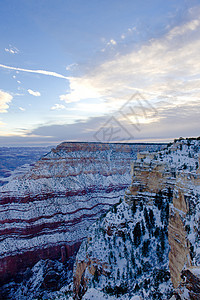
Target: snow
196, 271
94, 294
114, 251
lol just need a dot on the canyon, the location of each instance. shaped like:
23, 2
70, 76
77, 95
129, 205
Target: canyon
125, 217
46, 208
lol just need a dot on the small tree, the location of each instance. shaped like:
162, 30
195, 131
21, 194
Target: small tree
137, 234
118, 274
159, 253
158, 200
145, 248
146, 217
96, 276
132, 259
152, 218
133, 208
143, 228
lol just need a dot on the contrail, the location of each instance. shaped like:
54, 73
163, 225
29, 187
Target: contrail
43, 72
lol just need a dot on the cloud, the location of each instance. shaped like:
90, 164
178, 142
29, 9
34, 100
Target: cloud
186, 28
113, 42
5, 99
184, 119
132, 29
22, 109
129, 32
58, 107
12, 50
166, 67
112, 128
71, 67
36, 94
42, 72
80, 88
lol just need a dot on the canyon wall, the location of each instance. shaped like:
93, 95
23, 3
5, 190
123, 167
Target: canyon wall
153, 172
173, 173
45, 212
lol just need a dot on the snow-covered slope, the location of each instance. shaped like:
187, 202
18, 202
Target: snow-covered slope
126, 253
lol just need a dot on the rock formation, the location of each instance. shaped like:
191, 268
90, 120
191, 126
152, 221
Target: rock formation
166, 178
146, 246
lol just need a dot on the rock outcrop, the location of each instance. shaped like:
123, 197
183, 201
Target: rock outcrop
171, 174
176, 169
189, 286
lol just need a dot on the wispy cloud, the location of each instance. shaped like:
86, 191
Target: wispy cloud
12, 50
71, 66
58, 107
166, 68
113, 42
42, 72
132, 29
34, 93
129, 32
21, 108
5, 99
184, 29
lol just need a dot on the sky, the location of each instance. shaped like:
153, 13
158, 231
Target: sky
104, 71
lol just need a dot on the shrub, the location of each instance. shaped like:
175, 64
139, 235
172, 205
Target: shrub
145, 248
137, 234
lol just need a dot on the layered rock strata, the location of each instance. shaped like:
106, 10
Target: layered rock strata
45, 212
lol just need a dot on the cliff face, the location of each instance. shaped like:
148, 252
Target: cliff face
178, 169
184, 229
179, 256
45, 212
179, 172
168, 178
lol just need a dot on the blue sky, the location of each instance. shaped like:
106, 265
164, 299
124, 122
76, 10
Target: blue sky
117, 70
